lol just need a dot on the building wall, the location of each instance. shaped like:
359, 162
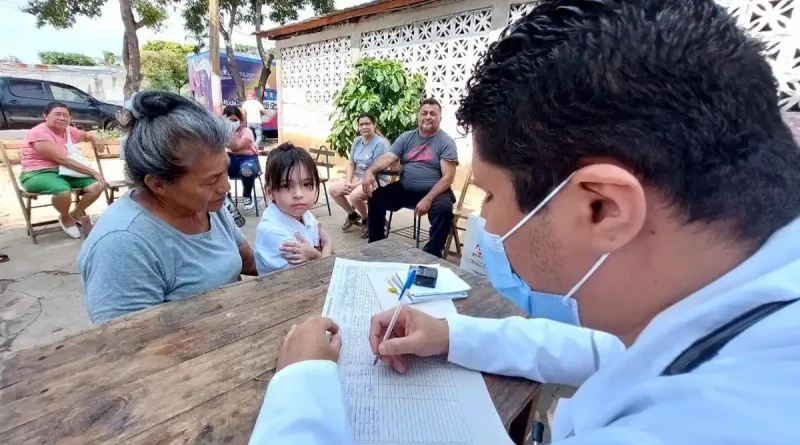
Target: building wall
444, 40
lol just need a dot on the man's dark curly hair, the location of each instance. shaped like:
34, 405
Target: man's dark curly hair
672, 90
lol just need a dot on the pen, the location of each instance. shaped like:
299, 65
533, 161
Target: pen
412, 274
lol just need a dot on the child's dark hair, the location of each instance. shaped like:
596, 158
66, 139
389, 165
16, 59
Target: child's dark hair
282, 160
233, 110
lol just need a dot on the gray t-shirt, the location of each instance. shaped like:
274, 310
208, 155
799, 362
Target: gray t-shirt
133, 260
363, 154
421, 158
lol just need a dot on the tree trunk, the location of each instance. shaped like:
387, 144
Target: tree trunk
234, 67
130, 50
266, 61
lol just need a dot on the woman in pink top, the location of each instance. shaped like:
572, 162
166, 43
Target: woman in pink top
242, 151
44, 150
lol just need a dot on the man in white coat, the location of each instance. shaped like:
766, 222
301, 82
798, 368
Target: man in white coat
642, 188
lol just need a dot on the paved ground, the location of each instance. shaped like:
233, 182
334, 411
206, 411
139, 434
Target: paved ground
40, 293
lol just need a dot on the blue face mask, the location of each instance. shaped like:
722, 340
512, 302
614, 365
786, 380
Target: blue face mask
235, 125
561, 308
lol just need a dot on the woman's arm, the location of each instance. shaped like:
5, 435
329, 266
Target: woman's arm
350, 172
237, 145
97, 141
52, 152
248, 259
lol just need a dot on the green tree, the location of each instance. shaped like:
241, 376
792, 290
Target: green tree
136, 14
242, 48
110, 59
10, 59
382, 88
233, 13
164, 64
59, 58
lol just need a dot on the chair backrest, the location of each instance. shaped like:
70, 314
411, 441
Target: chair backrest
11, 175
13, 152
320, 152
468, 181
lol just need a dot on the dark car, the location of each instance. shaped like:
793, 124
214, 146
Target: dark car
22, 102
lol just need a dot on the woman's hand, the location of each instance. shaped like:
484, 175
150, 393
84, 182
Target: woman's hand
99, 144
100, 180
300, 251
324, 241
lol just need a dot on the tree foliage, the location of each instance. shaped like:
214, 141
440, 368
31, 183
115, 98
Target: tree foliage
10, 59
235, 13
379, 87
135, 14
164, 64
110, 59
242, 48
60, 58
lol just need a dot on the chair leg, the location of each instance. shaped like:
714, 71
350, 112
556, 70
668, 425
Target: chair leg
458, 242
327, 199
389, 224
453, 229
255, 194
236, 192
417, 229
27, 213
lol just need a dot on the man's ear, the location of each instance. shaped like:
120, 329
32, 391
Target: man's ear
616, 204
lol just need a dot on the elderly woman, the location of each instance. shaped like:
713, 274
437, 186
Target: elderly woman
367, 147
170, 237
44, 150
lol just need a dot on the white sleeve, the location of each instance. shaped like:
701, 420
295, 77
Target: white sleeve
537, 349
304, 405
268, 241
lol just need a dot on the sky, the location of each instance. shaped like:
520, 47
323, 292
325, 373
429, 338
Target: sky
20, 37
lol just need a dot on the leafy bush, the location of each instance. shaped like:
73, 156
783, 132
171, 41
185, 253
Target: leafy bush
383, 89
60, 58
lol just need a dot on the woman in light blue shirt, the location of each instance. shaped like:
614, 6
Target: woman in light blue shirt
347, 192
170, 237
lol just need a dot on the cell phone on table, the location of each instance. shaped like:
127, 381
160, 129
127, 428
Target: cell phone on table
426, 276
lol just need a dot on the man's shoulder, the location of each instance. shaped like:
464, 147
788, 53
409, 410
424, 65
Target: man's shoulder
445, 138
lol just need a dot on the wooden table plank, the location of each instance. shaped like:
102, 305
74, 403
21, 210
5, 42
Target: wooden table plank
194, 371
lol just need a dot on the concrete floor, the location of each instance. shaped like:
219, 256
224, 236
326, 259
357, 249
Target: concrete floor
41, 300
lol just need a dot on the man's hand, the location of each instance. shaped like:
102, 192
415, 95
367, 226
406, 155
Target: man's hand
300, 251
414, 333
423, 207
368, 183
309, 340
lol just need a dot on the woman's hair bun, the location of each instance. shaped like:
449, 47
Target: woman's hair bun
156, 103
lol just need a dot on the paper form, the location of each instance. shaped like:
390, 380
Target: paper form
433, 403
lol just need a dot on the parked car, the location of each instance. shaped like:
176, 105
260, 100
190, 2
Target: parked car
22, 102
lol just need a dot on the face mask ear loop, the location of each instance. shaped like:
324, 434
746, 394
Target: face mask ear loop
538, 207
587, 276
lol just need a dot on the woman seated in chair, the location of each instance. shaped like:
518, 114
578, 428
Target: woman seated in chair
170, 236
347, 192
47, 168
244, 157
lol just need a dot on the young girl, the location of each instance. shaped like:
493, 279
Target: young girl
243, 154
288, 233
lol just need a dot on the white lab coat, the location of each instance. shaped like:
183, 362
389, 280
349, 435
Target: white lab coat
748, 394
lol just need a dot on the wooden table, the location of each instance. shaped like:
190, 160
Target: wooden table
196, 370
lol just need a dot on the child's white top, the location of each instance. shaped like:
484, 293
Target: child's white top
277, 228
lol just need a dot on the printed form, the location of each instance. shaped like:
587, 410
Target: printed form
434, 403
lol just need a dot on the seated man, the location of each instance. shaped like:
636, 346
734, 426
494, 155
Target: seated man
429, 160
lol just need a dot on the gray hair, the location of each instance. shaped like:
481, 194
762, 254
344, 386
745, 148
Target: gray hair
164, 133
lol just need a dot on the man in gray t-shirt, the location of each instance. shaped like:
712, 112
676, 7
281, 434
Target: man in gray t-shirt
429, 160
